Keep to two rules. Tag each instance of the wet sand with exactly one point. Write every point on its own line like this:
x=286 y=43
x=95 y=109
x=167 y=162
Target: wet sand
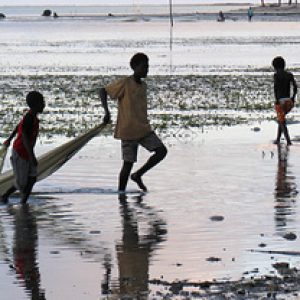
x=221 y=218
x=218 y=222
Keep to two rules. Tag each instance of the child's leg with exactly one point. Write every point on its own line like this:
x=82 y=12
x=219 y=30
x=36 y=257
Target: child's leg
x=124 y=175
x=129 y=154
x=280 y=119
x=286 y=133
x=28 y=188
x=159 y=154
x=279 y=132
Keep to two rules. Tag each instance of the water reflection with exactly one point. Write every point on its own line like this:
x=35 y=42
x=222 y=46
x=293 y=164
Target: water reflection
x=25 y=251
x=136 y=248
x=285 y=190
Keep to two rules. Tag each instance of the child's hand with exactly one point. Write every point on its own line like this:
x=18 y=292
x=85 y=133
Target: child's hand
x=6 y=143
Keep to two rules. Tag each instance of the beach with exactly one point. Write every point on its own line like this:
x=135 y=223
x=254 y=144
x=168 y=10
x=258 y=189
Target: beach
x=220 y=220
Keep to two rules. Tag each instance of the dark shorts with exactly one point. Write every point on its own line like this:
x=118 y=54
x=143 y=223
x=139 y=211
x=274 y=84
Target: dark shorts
x=23 y=169
x=150 y=142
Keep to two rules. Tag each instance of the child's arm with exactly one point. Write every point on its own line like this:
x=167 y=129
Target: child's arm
x=276 y=89
x=103 y=97
x=27 y=131
x=295 y=88
x=7 y=142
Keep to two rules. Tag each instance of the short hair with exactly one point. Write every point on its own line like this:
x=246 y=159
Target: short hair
x=137 y=59
x=278 y=62
x=34 y=99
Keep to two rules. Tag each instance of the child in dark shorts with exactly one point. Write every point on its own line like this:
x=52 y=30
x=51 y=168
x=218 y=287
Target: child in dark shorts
x=133 y=128
x=284 y=102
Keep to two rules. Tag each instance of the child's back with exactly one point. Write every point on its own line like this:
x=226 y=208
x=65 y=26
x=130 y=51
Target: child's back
x=282 y=84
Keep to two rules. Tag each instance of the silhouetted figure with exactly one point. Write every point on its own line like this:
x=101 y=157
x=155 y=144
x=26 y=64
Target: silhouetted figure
x=250 y=14
x=133 y=128
x=221 y=17
x=285 y=189
x=25 y=251
x=283 y=81
x=23 y=158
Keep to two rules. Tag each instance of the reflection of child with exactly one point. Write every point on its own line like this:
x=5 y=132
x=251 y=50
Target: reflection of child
x=23 y=158
x=283 y=100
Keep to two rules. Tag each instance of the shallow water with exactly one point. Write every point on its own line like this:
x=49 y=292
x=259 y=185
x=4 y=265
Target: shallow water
x=76 y=227
x=219 y=194
x=93 y=47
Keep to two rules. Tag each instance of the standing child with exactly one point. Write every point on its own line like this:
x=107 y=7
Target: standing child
x=23 y=159
x=283 y=80
x=133 y=128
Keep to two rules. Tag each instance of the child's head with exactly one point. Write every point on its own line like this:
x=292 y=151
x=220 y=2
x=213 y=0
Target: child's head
x=278 y=63
x=139 y=63
x=35 y=101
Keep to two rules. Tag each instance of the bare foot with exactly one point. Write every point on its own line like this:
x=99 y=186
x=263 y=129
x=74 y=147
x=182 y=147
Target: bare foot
x=138 y=180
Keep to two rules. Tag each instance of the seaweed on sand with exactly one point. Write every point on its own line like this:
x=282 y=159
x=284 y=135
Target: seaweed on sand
x=191 y=101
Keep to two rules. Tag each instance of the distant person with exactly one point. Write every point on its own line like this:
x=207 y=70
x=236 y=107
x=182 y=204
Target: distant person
x=221 y=17
x=250 y=14
x=133 y=128
x=283 y=80
x=23 y=159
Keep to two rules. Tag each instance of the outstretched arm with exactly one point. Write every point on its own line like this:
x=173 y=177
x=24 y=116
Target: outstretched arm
x=276 y=89
x=103 y=97
x=7 y=142
x=27 y=132
x=295 y=88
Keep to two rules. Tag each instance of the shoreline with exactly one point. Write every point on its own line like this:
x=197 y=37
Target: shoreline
x=193 y=12
x=272 y=9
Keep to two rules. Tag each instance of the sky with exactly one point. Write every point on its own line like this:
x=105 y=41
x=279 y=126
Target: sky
x=113 y=2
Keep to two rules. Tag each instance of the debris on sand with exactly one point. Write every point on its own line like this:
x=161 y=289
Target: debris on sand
x=290 y=236
x=213 y=259
x=285 y=285
x=217 y=218
x=256 y=129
